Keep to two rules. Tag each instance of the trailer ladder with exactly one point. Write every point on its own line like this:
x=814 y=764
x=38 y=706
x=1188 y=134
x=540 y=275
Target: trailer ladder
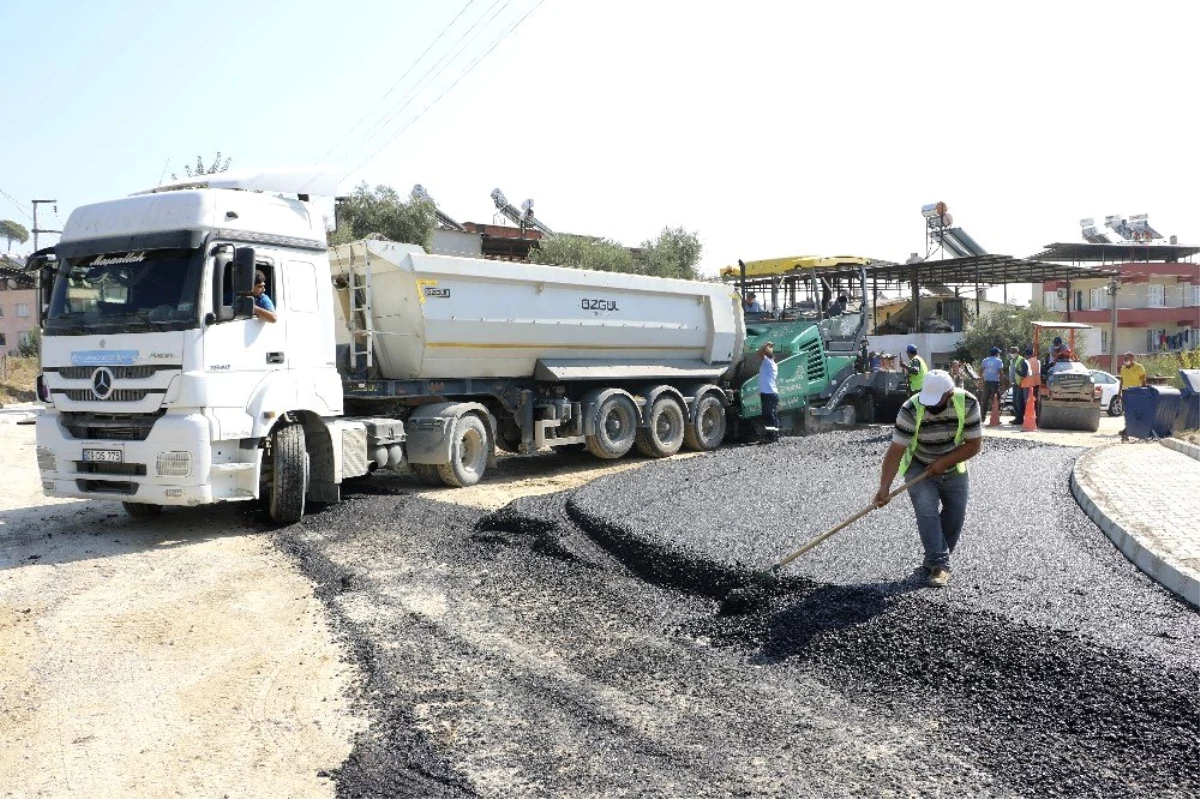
x=362 y=327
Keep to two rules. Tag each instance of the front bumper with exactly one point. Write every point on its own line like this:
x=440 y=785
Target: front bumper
x=176 y=464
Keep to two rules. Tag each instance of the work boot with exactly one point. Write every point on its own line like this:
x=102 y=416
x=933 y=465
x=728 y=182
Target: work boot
x=939 y=578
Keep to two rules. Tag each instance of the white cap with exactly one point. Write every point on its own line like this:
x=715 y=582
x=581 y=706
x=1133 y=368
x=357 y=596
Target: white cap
x=937 y=383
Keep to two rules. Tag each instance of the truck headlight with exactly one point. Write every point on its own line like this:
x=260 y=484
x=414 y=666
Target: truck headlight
x=174 y=464
x=46 y=460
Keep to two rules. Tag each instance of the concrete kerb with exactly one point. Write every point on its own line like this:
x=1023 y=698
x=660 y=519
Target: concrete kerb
x=1182 y=447
x=1145 y=559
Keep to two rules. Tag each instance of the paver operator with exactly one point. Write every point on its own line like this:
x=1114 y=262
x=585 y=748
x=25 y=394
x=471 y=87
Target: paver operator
x=916 y=369
x=936 y=431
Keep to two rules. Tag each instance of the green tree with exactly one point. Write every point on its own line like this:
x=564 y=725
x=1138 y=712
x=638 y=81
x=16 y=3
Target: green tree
x=1004 y=328
x=584 y=252
x=383 y=213
x=13 y=231
x=674 y=253
x=30 y=344
x=200 y=169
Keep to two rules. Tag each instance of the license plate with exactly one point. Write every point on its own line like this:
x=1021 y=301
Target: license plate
x=103 y=455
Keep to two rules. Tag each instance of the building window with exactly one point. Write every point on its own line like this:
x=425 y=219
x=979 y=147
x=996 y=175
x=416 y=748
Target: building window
x=1099 y=299
x=1195 y=297
x=1156 y=340
x=24 y=338
x=3 y=340
x=1103 y=340
x=1156 y=295
x=1050 y=300
x=2 y=309
x=22 y=310
x=1078 y=299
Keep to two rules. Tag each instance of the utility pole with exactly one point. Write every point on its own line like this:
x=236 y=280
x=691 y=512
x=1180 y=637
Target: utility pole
x=36 y=231
x=39 y=302
x=1114 y=286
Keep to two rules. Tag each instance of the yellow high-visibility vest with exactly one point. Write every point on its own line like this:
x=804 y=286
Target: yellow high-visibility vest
x=960 y=408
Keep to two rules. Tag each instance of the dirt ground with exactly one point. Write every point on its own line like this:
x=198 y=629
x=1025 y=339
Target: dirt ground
x=179 y=656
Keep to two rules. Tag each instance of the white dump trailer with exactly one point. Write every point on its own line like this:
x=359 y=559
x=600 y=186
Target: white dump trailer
x=546 y=356
x=169 y=381
x=433 y=316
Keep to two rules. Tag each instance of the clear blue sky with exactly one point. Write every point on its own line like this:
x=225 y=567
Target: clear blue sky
x=771 y=129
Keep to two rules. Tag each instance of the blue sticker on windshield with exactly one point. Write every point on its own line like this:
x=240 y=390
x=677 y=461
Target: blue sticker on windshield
x=104 y=357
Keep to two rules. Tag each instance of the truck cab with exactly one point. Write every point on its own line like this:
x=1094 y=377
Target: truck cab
x=162 y=386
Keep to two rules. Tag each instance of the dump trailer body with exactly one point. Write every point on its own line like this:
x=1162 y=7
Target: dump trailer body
x=436 y=316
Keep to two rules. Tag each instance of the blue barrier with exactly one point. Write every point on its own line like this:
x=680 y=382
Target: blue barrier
x=1151 y=411
x=1189 y=407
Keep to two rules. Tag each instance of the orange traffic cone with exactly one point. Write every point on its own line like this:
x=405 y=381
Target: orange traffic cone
x=995 y=420
x=1029 y=423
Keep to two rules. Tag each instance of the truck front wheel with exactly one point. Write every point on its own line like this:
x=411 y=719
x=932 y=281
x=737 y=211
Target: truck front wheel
x=468 y=453
x=288 y=475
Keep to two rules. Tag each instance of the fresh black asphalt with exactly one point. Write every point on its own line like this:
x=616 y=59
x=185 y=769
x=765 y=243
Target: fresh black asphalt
x=569 y=645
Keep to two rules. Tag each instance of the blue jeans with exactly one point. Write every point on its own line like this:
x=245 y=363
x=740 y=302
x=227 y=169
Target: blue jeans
x=770 y=412
x=939 y=529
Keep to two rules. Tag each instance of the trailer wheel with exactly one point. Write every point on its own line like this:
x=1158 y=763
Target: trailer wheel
x=427 y=474
x=289 y=474
x=468 y=453
x=616 y=427
x=707 y=430
x=663 y=435
x=142 y=510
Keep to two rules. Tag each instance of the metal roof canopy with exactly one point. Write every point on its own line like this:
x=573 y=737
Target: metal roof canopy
x=1122 y=252
x=981 y=269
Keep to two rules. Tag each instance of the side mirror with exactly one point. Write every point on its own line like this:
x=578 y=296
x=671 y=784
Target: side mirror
x=243 y=282
x=243 y=270
x=222 y=295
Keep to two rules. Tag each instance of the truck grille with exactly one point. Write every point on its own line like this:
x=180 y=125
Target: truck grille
x=119 y=372
x=110 y=427
x=118 y=394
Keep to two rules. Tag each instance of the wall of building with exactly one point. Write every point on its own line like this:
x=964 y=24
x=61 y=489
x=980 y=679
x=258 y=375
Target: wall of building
x=936 y=348
x=1158 y=307
x=453 y=242
x=12 y=323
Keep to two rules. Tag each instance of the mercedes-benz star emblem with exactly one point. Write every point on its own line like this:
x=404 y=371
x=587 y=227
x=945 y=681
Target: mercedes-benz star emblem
x=102 y=382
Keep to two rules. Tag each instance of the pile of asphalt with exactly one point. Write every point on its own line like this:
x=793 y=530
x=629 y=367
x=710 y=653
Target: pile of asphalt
x=568 y=645
x=1080 y=673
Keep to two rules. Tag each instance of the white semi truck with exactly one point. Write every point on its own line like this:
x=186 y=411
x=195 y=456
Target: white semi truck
x=164 y=388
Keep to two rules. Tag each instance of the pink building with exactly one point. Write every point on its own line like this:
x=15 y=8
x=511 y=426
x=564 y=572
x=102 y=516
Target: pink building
x=18 y=310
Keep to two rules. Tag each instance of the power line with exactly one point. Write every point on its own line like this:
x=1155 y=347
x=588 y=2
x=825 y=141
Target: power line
x=400 y=80
x=13 y=200
x=453 y=53
x=444 y=92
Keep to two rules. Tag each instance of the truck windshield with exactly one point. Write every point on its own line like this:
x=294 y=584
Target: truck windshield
x=126 y=291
